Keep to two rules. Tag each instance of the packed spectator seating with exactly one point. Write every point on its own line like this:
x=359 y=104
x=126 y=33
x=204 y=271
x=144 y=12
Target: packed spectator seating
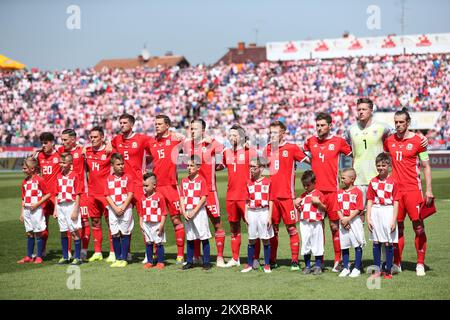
x=33 y=101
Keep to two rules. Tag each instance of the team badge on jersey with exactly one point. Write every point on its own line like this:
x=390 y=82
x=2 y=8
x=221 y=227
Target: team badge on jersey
x=285 y=154
x=204 y=149
x=197 y=186
x=409 y=146
x=241 y=157
x=167 y=142
x=353 y=198
x=55 y=160
x=331 y=147
x=388 y=187
x=75 y=155
x=134 y=145
x=123 y=183
x=103 y=157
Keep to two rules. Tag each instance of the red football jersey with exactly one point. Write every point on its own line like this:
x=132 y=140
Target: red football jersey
x=134 y=150
x=207 y=153
x=238 y=166
x=117 y=188
x=308 y=211
x=78 y=165
x=99 y=168
x=282 y=169
x=68 y=187
x=349 y=200
x=50 y=168
x=164 y=152
x=33 y=190
x=382 y=192
x=153 y=208
x=325 y=160
x=258 y=195
x=405 y=161
x=193 y=191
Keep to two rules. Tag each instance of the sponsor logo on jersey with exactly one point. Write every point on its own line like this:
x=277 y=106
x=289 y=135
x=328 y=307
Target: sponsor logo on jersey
x=331 y=147
x=134 y=145
x=409 y=146
x=285 y=154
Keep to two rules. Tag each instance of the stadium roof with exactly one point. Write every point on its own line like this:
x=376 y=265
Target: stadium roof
x=164 y=61
x=243 y=54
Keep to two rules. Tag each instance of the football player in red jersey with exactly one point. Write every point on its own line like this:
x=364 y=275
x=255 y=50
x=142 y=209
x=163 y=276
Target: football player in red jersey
x=407 y=155
x=69 y=144
x=325 y=150
x=207 y=149
x=236 y=160
x=164 y=154
x=48 y=159
x=134 y=147
x=98 y=168
x=283 y=157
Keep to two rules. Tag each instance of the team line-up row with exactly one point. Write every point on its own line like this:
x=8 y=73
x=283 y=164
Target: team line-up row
x=85 y=187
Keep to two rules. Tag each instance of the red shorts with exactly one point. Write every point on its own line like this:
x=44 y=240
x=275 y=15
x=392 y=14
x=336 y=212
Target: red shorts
x=49 y=207
x=97 y=206
x=410 y=201
x=171 y=195
x=330 y=201
x=212 y=204
x=236 y=210
x=284 y=208
x=84 y=210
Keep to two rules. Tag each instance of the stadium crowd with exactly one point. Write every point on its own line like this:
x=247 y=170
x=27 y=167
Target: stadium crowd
x=35 y=101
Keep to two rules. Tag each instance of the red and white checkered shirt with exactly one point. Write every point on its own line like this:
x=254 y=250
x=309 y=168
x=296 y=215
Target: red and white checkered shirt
x=68 y=187
x=193 y=191
x=308 y=211
x=33 y=190
x=382 y=192
x=153 y=208
x=350 y=200
x=117 y=188
x=258 y=193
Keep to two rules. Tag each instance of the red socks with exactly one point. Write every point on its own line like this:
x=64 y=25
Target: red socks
x=179 y=239
x=69 y=245
x=235 y=245
x=220 y=242
x=98 y=238
x=86 y=236
x=398 y=247
x=294 y=241
x=421 y=244
x=336 y=245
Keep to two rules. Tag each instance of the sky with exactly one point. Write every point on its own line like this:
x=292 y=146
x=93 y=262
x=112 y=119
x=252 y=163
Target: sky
x=35 y=32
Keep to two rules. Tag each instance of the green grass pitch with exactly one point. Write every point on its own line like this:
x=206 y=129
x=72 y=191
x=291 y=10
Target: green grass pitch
x=99 y=281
